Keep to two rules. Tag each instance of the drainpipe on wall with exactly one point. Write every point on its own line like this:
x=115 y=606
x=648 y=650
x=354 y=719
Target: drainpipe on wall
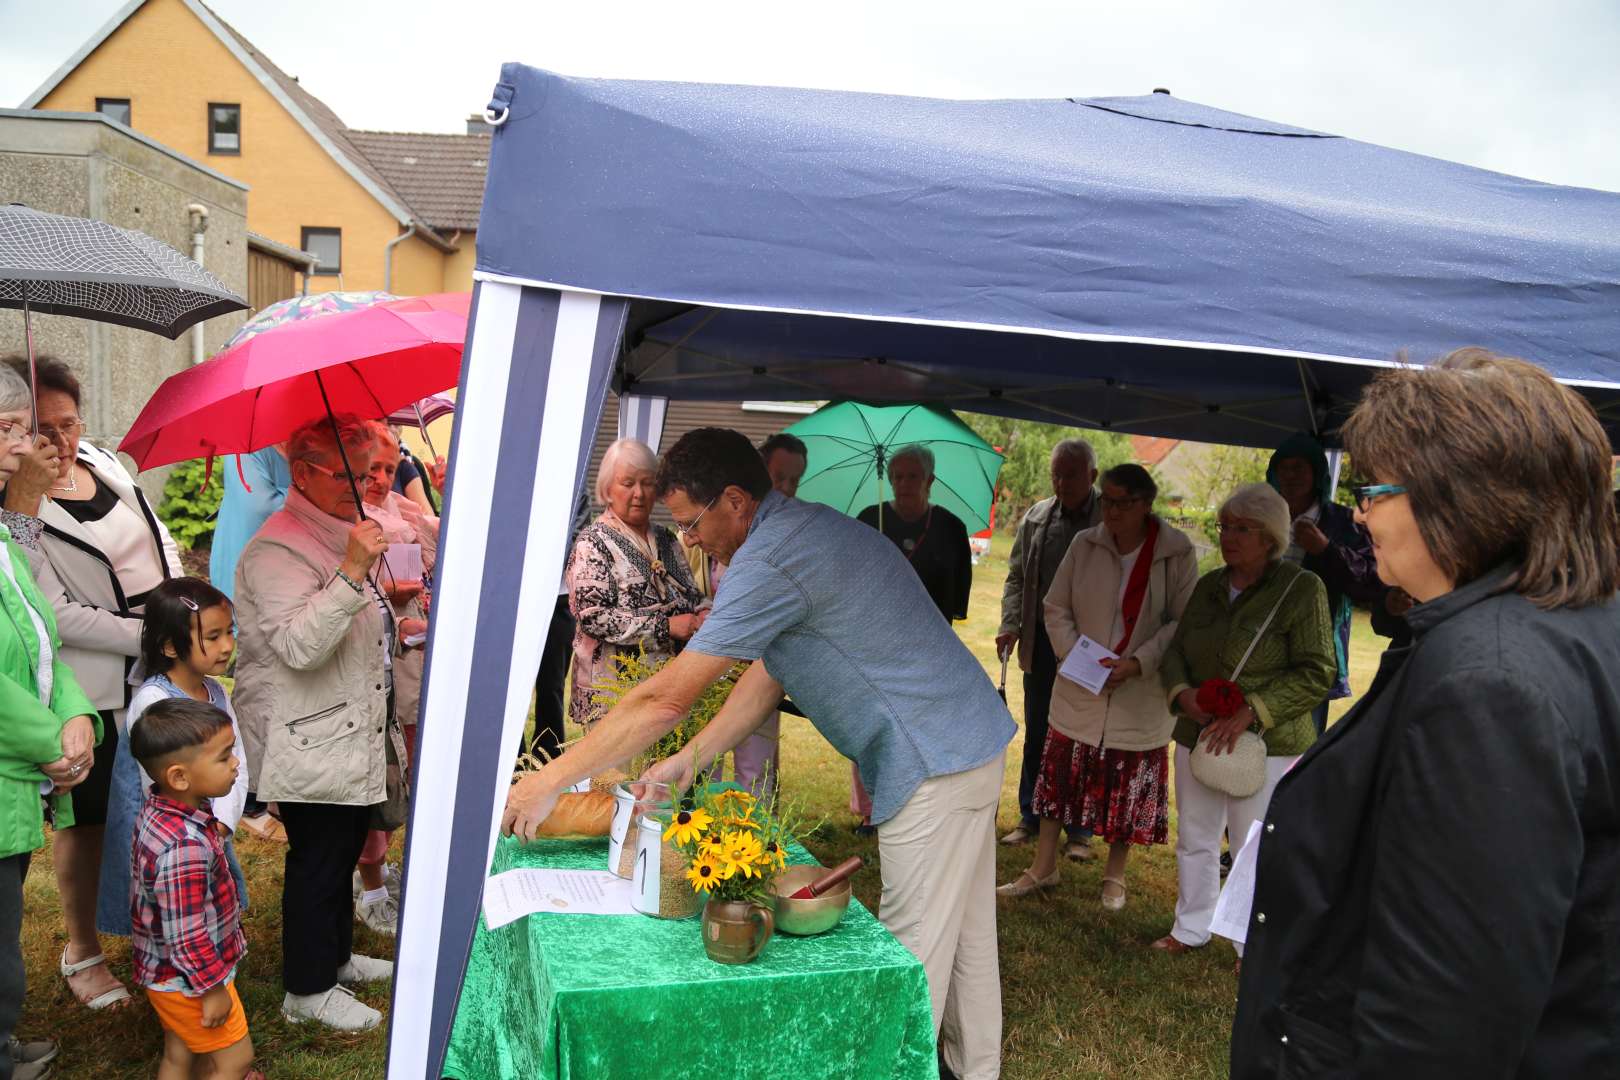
x=198 y=213
x=388 y=256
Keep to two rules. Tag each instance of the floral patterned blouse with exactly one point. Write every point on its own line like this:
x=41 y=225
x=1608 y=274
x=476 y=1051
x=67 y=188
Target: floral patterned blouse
x=620 y=602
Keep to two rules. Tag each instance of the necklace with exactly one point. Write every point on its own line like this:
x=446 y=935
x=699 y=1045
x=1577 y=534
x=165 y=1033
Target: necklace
x=646 y=549
x=72 y=483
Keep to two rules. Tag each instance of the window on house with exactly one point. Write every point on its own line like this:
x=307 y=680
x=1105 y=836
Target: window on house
x=114 y=109
x=327 y=246
x=224 y=129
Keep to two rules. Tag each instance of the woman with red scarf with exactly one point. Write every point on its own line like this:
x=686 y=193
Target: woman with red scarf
x=1105 y=768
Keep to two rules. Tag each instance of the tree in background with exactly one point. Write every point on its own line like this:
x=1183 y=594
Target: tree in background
x=1026 y=474
x=1222 y=468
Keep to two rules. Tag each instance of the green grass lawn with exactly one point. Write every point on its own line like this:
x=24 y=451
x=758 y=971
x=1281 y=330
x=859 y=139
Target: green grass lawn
x=1083 y=995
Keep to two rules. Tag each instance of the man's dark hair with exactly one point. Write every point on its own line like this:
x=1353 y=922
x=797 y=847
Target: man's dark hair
x=170 y=726
x=708 y=460
x=173 y=609
x=53 y=374
x=782 y=441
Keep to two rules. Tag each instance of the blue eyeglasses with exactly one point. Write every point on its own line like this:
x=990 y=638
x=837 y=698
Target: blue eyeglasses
x=1366 y=493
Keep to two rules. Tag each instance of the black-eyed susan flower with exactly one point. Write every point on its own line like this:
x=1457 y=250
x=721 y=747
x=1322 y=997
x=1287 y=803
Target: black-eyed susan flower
x=704 y=873
x=743 y=853
x=687 y=825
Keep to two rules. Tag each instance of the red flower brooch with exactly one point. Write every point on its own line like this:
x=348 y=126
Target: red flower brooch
x=1220 y=698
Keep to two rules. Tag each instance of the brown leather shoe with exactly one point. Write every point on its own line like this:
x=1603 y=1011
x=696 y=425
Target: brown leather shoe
x=1172 y=946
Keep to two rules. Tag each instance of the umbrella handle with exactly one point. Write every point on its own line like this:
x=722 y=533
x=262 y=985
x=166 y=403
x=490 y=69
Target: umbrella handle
x=33 y=372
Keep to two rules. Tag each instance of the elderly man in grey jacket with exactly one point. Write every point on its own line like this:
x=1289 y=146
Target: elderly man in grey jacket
x=1038 y=547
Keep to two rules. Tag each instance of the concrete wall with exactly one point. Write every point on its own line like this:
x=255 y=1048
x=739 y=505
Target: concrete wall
x=89 y=167
x=295 y=182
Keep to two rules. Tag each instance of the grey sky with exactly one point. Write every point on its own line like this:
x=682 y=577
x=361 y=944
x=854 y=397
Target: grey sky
x=1531 y=89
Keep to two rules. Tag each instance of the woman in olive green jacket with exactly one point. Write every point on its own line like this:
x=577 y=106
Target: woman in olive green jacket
x=48 y=727
x=1289 y=673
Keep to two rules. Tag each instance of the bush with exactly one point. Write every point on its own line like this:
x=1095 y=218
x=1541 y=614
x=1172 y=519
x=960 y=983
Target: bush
x=1026 y=447
x=189 y=508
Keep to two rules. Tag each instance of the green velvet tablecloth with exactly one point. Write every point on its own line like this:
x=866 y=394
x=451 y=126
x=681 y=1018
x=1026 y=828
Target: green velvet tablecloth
x=604 y=997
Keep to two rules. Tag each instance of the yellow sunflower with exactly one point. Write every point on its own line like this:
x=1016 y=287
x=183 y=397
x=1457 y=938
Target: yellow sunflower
x=688 y=825
x=730 y=822
x=743 y=852
x=704 y=872
x=742 y=800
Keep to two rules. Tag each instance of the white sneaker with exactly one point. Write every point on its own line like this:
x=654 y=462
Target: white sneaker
x=336 y=1008
x=361 y=969
x=380 y=915
x=391 y=882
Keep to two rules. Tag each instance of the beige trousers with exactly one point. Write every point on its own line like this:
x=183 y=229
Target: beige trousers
x=938 y=859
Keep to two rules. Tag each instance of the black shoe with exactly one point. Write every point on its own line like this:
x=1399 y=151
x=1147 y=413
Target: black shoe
x=945 y=1072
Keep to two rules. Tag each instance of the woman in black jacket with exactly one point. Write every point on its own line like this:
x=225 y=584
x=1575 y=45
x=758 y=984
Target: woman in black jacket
x=1438 y=889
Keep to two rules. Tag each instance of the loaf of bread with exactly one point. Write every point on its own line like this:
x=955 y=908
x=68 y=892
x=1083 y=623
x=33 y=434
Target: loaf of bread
x=579 y=814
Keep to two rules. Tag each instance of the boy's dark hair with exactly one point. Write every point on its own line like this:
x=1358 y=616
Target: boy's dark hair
x=708 y=460
x=170 y=726
x=172 y=609
x=783 y=441
x=52 y=374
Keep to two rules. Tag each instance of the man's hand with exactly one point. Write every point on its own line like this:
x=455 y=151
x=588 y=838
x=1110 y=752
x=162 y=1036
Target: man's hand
x=1220 y=736
x=528 y=803
x=216 y=1007
x=37 y=470
x=1309 y=537
x=1006 y=643
x=1119 y=671
x=674 y=773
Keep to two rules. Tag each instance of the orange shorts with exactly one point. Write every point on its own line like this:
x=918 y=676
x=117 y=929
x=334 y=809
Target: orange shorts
x=183 y=1016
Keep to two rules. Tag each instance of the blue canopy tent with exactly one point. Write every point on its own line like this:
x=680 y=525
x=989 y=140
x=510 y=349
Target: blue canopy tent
x=1142 y=264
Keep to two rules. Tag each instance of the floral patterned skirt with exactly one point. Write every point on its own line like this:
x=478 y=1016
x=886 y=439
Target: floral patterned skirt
x=1120 y=795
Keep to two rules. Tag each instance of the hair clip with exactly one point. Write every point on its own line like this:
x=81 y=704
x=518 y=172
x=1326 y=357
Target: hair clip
x=190 y=603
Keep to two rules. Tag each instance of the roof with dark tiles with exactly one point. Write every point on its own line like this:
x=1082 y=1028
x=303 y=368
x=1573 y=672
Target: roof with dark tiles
x=441 y=176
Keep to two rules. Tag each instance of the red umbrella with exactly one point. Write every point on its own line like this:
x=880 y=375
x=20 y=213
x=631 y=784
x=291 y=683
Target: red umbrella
x=368 y=362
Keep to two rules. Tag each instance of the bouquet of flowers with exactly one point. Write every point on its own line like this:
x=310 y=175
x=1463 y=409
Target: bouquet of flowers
x=735 y=844
x=1220 y=698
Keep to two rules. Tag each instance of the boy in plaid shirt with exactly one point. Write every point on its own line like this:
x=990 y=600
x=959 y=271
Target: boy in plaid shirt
x=187 y=938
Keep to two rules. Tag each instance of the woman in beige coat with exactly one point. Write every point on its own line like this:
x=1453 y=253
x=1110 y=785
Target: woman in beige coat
x=314 y=678
x=1123 y=584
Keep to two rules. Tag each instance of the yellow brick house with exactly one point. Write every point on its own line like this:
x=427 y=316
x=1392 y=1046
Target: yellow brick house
x=381 y=209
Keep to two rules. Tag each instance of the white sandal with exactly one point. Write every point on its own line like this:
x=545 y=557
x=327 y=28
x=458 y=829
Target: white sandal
x=100 y=1001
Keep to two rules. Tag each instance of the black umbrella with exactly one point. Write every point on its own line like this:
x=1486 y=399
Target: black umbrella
x=92 y=270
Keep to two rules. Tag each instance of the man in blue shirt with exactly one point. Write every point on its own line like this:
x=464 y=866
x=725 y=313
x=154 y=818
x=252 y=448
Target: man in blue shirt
x=834 y=616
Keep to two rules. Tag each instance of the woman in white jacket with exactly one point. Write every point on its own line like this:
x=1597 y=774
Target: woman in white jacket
x=99 y=551
x=1104 y=768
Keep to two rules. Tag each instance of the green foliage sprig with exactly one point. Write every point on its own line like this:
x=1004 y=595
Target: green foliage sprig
x=189 y=508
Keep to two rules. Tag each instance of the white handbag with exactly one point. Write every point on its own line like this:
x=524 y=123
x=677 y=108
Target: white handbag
x=1241 y=772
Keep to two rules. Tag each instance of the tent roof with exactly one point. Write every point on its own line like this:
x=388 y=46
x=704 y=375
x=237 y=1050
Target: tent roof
x=1128 y=262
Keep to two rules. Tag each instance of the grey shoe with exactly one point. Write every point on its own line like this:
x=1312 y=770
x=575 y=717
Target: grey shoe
x=381 y=916
x=361 y=969
x=336 y=1008
x=34 y=1070
x=32 y=1053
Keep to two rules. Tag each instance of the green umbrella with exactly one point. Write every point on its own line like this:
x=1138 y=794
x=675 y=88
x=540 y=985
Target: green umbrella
x=850 y=444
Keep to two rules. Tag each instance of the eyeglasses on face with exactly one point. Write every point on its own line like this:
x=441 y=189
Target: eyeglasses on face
x=1238 y=528
x=1366 y=493
x=63 y=432
x=1111 y=503
x=13 y=431
x=691 y=527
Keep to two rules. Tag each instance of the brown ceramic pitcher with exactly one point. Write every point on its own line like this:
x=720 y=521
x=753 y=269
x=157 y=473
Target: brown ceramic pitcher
x=735 y=931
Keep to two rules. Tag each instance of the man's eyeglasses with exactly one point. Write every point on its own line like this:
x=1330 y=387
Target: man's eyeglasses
x=1366 y=493
x=63 y=432
x=691 y=527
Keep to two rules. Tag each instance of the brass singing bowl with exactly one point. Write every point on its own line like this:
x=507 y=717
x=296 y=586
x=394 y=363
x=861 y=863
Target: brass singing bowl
x=813 y=916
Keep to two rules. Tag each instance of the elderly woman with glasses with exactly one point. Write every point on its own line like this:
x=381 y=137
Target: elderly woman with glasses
x=101 y=549
x=629 y=587
x=1276 y=612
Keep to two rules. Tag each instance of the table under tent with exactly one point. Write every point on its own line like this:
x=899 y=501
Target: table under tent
x=1138 y=264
